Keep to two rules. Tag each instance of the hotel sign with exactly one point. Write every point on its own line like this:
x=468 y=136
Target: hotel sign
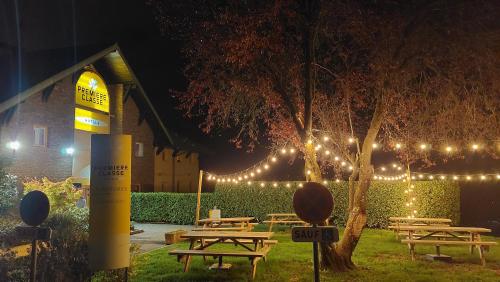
x=110 y=177
x=91 y=121
x=91 y=92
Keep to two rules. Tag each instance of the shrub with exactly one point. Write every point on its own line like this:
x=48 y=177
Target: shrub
x=8 y=191
x=62 y=196
x=433 y=199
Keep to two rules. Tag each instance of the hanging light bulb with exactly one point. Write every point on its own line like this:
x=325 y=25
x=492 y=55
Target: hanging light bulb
x=374 y=145
x=288 y=185
x=423 y=146
x=326 y=138
x=337 y=180
x=300 y=185
x=475 y=147
x=249 y=182
x=292 y=150
x=273 y=159
x=266 y=166
x=258 y=170
x=342 y=163
x=483 y=177
x=448 y=149
x=455 y=177
x=275 y=184
x=398 y=146
x=283 y=151
x=327 y=152
x=350 y=140
x=468 y=177
x=325 y=182
x=383 y=168
x=336 y=158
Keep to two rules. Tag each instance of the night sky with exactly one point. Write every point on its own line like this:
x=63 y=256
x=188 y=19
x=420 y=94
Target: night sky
x=54 y=24
x=156 y=59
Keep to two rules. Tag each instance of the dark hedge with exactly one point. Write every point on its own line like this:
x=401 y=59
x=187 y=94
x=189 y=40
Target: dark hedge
x=433 y=199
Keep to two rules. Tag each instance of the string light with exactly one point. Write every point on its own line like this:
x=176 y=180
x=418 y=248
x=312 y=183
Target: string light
x=423 y=146
x=326 y=138
x=273 y=159
x=398 y=146
x=350 y=140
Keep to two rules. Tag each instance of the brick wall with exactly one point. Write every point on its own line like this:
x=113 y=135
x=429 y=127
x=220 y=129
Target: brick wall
x=142 y=167
x=57 y=114
x=176 y=173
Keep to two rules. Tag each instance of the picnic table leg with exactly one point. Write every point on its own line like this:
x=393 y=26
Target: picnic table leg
x=412 y=251
x=471 y=246
x=271 y=224
x=481 y=255
x=438 y=250
x=254 y=267
x=188 y=257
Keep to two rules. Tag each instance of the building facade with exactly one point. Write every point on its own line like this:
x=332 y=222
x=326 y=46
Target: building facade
x=45 y=130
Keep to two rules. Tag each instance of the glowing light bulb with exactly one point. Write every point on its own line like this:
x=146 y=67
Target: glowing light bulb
x=498 y=176
x=325 y=182
x=266 y=166
x=262 y=184
x=342 y=163
x=300 y=185
x=468 y=177
x=275 y=184
x=394 y=165
x=252 y=174
x=292 y=150
x=350 y=140
x=218 y=180
x=431 y=177
x=308 y=172
x=326 y=138
x=412 y=186
x=245 y=176
x=327 y=152
x=483 y=177
x=420 y=176
x=288 y=185
x=337 y=180
x=399 y=168
x=423 y=146
x=249 y=182
x=455 y=177
x=336 y=158
x=258 y=170
x=283 y=151
x=309 y=141
x=350 y=167
x=413 y=177
x=239 y=178
x=442 y=177
x=374 y=145
x=223 y=180
x=383 y=168
x=398 y=146
x=448 y=149
x=273 y=159
x=14 y=145
x=70 y=151
x=475 y=147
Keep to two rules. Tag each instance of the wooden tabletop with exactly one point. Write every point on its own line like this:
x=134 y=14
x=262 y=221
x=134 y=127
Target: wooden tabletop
x=227 y=235
x=281 y=214
x=432 y=228
x=441 y=220
x=226 y=219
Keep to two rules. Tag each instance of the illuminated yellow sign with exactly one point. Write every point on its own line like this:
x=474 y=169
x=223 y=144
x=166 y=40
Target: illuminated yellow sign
x=91 y=121
x=91 y=91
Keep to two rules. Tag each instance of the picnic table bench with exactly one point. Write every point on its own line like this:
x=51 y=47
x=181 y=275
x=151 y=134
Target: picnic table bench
x=283 y=218
x=226 y=224
x=256 y=245
x=447 y=235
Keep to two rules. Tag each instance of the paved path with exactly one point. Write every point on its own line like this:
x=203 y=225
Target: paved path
x=153 y=236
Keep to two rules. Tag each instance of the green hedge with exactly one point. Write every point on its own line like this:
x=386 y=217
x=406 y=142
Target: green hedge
x=433 y=199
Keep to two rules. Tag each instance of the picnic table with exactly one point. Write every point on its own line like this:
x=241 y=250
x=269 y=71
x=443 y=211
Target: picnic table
x=396 y=222
x=283 y=218
x=254 y=245
x=226 y=224
x=446 y=235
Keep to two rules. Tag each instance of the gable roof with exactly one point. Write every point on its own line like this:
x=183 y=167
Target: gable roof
x=112 y=65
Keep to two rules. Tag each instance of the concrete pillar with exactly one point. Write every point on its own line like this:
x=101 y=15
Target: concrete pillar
x=116 y=108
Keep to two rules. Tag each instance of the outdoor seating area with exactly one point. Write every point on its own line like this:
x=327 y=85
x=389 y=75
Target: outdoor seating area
x=437 y=232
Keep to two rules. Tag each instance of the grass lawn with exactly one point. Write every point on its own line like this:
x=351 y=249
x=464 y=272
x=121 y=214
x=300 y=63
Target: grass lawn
x=379 y=256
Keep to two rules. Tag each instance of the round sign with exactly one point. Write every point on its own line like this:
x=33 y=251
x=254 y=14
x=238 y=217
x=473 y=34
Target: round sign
x=34 y=208
x=313 y=203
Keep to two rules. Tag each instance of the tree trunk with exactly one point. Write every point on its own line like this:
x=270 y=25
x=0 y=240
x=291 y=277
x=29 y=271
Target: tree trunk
x=312 y=170
x=338 y=257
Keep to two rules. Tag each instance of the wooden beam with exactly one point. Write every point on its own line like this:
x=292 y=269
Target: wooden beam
x=198 y=198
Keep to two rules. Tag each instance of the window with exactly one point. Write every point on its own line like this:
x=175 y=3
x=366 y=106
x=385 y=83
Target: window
x=139 y=149
x=40 y=136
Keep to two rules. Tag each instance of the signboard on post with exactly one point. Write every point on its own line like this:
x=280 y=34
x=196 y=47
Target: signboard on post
x=323 y=234
x=314 y=204
x=91 y=92
x=110 y=178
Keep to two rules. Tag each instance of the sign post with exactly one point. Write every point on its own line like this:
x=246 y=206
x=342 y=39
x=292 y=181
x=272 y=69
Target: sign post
x=34 y=209
x=110 y=177
x=314 y=204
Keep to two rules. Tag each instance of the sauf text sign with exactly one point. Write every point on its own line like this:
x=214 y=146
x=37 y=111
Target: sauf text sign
x=315 y=234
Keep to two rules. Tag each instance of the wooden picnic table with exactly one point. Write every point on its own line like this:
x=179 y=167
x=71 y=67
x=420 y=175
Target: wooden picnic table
x=226 y=224
x=255 y=246
x=446 y=235
x=283 y=218
x=396 y=222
